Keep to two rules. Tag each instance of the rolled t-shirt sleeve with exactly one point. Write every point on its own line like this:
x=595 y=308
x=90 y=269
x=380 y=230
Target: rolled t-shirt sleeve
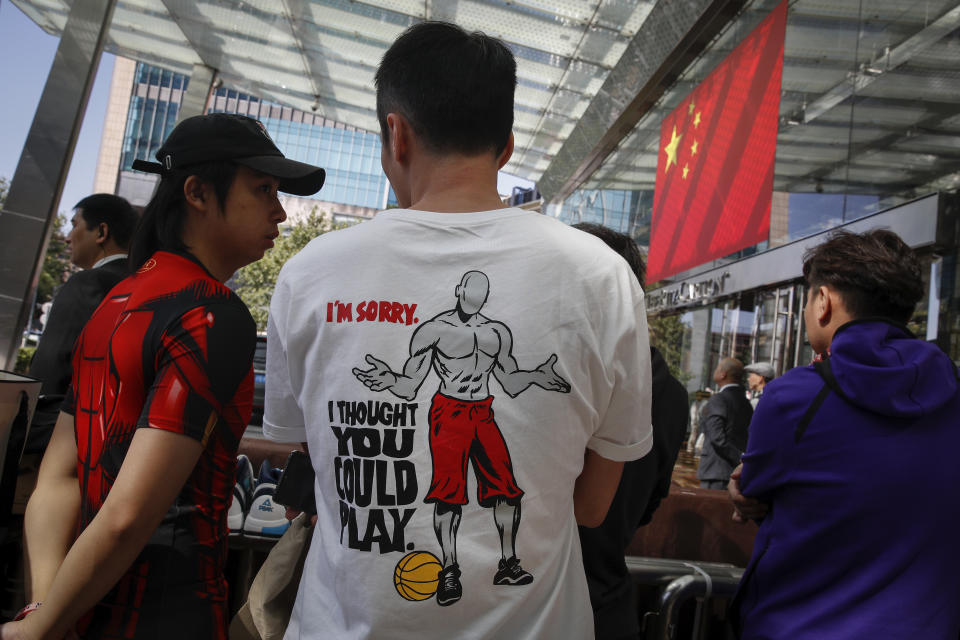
x=283 y=419
x=204 y=371
x=625 y=432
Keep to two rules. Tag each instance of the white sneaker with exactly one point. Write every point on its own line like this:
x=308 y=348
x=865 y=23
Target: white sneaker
x=265 y=519
x=242 y=496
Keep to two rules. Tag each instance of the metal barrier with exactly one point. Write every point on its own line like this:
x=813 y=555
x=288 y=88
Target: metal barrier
x=681 y=581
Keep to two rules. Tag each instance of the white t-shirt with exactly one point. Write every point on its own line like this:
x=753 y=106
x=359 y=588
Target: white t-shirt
x=456 y=309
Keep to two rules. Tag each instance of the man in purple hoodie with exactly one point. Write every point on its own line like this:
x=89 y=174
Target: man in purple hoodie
x=856 y=457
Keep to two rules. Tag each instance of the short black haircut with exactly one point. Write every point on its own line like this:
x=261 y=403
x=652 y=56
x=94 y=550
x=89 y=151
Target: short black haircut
x=875 y=273
x=161 y=225
x=114 y=211
x=454 y=88
x=622 y=244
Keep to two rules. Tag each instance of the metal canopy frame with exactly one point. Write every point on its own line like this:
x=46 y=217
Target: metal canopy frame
x=321 y=55
x=869 y=100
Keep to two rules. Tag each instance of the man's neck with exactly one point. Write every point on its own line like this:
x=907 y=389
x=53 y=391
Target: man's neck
x=209 y=261
x=455 y=184
x=205 y=250
x=110 y=257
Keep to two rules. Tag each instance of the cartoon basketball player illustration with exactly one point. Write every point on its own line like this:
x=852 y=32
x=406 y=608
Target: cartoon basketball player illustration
x=464 y=348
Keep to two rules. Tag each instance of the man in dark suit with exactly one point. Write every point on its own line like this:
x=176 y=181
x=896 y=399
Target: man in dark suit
x=102 y=227
x=724 y=424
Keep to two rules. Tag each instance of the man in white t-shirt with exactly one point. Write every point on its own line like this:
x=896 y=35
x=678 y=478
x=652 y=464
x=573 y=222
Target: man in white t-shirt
x=380 y=292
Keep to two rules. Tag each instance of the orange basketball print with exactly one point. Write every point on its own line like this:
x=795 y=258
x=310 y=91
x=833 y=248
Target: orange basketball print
x=416 y=575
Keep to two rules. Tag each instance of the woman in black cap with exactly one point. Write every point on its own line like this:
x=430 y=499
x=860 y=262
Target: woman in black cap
x=126 y=532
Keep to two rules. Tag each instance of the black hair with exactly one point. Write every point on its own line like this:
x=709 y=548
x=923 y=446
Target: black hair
x=161 y=225
x=454 y=88
x=876 y=273
x=622 y=244
x=114 y=211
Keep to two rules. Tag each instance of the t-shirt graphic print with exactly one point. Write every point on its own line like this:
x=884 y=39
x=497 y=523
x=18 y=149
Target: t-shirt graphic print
x=464 y=348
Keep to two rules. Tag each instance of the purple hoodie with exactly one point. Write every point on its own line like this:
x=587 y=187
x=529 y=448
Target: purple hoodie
x=863 y=535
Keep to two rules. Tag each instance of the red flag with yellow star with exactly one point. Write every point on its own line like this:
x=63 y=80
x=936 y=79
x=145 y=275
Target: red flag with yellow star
x=717 y=148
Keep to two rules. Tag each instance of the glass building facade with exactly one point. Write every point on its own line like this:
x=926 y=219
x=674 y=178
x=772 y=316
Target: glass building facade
x=766 y=325
x=351 y=157
x=626 y=211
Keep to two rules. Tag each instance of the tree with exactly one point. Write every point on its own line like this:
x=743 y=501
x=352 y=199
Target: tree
x=56 y=263
x=666 y=334
x=255 y=282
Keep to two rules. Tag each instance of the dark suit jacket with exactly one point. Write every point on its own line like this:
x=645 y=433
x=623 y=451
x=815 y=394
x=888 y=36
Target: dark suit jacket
x=73 y=305
x=724 y=424
x=644 y=483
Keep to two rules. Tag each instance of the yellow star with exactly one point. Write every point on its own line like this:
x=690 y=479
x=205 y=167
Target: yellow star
x=691 y=108
x=693 y=148
x=686 y=170
x=696 y=120
x=671 y=149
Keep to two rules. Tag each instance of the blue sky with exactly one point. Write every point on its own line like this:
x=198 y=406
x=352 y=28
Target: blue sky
x=26 y=53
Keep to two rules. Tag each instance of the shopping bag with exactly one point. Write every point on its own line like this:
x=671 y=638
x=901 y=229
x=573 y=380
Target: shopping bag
x=265 y=614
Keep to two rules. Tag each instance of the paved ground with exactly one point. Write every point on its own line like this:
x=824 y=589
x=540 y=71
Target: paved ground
x=685 y=471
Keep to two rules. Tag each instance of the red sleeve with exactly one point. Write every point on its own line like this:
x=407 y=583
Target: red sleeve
x=204 y=369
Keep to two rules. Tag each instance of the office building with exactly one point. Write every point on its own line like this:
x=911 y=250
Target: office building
x=142 y=110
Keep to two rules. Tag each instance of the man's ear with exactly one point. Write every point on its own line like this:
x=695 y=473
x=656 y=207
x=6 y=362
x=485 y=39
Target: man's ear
x=825 y=305
x=196 y=193
x=506 y=154
x=399 y=131
x=103 y=233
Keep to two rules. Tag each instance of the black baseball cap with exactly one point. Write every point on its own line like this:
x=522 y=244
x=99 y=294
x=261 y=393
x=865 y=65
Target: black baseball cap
x=240 y=139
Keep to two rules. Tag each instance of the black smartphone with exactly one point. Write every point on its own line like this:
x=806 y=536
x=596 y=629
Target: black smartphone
x=295 y=487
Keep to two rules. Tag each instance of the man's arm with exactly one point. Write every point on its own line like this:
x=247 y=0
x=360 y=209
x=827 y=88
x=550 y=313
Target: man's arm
x=744 y=508
x=403 y=385
x=515 y=380
x=50 y=522
x=770 y=457
x=625 y=430
x=108 y=546
x=594 y=489
x=714 y=425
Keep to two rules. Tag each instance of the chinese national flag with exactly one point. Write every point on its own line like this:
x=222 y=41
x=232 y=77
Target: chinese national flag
x=715 y=166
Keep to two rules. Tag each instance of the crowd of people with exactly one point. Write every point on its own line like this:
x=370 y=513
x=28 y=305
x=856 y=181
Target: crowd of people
x=843 y=463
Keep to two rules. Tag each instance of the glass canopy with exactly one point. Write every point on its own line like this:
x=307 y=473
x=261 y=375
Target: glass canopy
x=321 y=55
x=870 y=103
